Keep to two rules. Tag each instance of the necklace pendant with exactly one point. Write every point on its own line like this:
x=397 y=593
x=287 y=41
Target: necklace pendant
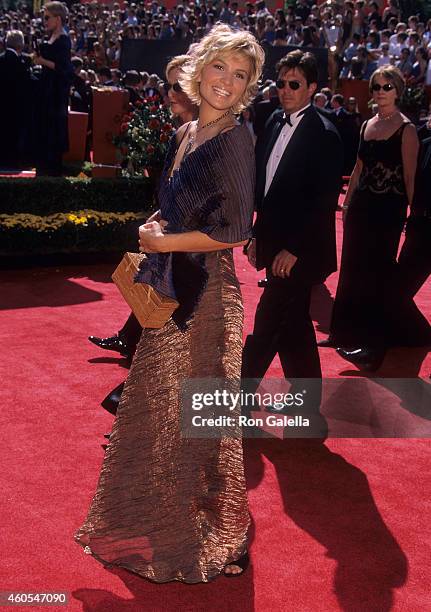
x=188 y=147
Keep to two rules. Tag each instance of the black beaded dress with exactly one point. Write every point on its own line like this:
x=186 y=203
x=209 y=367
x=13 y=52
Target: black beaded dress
x=369 y=309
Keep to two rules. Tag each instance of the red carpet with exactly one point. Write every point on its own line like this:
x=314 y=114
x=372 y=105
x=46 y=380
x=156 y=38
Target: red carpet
x=344 y=526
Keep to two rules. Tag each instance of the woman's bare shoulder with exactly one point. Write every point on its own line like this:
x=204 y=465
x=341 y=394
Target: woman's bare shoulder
x=182 y=130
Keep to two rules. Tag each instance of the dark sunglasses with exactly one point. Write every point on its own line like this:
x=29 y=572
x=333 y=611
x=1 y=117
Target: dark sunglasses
x=176 y=87
x=385 y=87
x=280 y=84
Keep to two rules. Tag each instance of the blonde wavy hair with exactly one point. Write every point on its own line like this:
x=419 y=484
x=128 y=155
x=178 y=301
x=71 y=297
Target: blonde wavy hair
x=57 y=9
x=177 y=62
x=221 y=41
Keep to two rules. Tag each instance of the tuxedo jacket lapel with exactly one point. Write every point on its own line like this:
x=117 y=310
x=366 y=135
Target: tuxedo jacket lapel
x=290 y=152
x=261 y=177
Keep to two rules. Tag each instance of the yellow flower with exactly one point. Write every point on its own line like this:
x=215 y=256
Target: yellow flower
x=72 y=217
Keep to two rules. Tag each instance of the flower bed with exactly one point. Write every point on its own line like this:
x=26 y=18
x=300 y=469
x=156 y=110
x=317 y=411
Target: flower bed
x=82 y=231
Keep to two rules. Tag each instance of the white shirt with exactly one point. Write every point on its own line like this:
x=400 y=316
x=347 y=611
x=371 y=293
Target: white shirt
x=383 y=60
x=332 y=33
x=280 y=146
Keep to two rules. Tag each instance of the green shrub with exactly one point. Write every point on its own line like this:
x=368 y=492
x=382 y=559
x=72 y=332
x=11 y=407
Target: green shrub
x=45 y=196
x=82 y=231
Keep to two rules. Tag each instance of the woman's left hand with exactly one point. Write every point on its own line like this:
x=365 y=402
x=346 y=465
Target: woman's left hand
x=151 y=237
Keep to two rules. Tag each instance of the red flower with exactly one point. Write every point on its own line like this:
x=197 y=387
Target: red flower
x=150 y=149
x=167 y=127
x=153 y=109
x=154 y=124
x=164 y=138
x=124 y=127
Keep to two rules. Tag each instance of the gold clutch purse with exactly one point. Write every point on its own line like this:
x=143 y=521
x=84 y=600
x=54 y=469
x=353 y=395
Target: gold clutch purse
x=149 y=307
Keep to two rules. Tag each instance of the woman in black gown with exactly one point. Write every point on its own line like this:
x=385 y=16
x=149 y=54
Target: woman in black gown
x=369 y=312
x=53 y=92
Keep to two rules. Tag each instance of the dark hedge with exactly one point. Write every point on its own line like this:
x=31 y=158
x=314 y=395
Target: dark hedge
x=44 y=196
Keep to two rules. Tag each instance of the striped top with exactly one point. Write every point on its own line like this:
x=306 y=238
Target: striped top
x=213 y=192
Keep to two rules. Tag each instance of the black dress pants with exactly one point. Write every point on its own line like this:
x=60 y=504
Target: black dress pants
x=131 y=331
x=283 y=325
x=49 y=163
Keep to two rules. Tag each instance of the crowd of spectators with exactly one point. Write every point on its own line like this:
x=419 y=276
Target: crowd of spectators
x=360 y=35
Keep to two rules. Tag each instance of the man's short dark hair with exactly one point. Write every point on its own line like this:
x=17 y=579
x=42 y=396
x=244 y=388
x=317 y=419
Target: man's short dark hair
x=105 y=71
x=132 y=78
x=339 y=99
x=304 y=62
x=77 y=62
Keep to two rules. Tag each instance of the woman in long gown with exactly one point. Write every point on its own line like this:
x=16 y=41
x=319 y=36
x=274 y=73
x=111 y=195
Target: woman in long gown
x=53 y=89
x=168 y=507
x=370 y=313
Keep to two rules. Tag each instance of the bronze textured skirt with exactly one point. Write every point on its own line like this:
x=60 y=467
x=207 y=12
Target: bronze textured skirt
x=168 y=507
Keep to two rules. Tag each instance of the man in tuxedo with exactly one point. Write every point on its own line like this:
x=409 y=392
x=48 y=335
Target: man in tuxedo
x=15 y=79
x=264 y=109
x=299 y=162
x=348 y=130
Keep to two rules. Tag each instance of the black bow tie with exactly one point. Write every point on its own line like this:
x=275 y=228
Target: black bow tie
x=283 y=119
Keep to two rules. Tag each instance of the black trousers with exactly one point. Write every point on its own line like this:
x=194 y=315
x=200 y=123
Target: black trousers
x=49 y=163
x=131 y=331
x=283 y=325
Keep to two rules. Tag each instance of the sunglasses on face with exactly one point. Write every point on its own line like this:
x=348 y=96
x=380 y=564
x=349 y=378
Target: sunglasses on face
x=280 y=84
x=175 y=86
x=385 y=87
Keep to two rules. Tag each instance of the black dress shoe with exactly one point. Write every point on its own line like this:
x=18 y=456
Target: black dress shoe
x=111 y=401
x=114 y=343
x=365 y=358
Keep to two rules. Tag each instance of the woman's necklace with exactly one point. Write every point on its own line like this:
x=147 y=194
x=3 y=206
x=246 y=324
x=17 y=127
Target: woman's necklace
x=192 y=139
x=380 y=118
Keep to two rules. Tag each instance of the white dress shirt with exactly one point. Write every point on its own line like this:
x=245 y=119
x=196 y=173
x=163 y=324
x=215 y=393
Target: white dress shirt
x=280 y=146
